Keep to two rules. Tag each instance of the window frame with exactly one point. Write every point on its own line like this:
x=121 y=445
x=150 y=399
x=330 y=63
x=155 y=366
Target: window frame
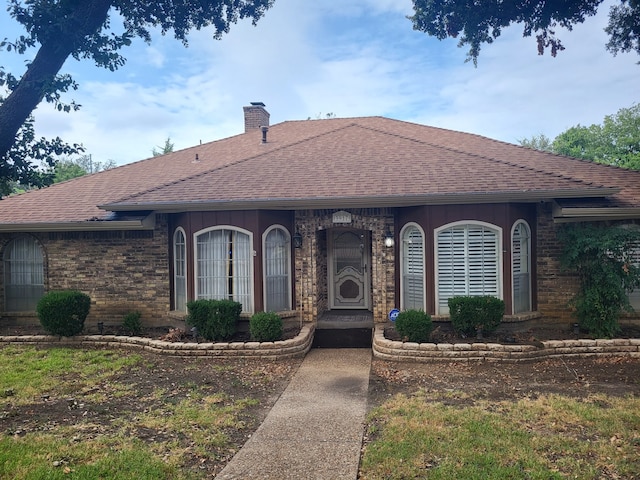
x=265 y=260
x=185 y=266
x=497 y=230
x=39 y=262
x=251 y=255
x=516 y=224
x=403 y=231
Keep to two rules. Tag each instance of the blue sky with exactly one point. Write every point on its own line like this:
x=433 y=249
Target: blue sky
x=305 y=59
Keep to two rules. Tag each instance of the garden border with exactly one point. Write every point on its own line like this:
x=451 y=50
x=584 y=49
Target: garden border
x=294 y=347
x=386 y=349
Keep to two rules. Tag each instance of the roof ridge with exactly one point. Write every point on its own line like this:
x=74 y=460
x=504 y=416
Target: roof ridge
x=230 y=164
x=495 y=160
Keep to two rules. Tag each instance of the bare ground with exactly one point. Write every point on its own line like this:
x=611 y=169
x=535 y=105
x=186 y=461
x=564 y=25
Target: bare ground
x=265 y=381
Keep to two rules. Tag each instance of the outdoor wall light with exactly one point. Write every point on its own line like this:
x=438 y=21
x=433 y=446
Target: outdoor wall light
x=388 y=239
x=297 y=240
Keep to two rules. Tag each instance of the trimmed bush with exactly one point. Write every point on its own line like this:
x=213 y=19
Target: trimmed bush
x=471 y=314
x=132 y=323
x=265 y=327
x=63 y=312
x=414 y=325
x=215 y=320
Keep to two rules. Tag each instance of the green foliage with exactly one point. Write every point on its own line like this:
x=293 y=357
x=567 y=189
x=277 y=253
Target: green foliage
x=470 y=314
x=83 y=30
x=476 y=23
x=215 y=319
x=265 y=327
x=615 y=142
x=540 y=142
x=167 y=148
x=132 y=323
x=602 y=258
x=63 y=312
x=414 y=325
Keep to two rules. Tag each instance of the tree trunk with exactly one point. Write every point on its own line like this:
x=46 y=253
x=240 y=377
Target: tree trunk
x=87 y=19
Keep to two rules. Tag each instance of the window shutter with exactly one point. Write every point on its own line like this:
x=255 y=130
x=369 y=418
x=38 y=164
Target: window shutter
x=412 y=269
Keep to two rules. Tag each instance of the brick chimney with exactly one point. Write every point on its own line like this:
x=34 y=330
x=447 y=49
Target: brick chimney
x=255 y=116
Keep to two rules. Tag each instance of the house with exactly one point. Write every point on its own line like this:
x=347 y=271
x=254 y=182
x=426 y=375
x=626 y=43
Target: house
x=308 y=218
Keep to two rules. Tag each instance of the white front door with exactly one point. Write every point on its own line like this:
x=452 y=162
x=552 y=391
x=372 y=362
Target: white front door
x=349 y=254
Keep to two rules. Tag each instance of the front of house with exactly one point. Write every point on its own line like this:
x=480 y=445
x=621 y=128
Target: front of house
x=306 y=218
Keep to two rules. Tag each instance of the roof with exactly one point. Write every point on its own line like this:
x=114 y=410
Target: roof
x=331 y=163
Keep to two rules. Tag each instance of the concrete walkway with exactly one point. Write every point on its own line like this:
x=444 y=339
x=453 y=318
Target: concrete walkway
x=314 y=431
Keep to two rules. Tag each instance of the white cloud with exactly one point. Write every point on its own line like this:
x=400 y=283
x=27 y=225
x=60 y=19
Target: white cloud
x=364 y=59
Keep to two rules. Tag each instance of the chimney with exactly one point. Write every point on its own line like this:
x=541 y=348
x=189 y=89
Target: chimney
x=255 y=116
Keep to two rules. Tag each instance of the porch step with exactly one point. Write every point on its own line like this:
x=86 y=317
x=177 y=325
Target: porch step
x=343 y=338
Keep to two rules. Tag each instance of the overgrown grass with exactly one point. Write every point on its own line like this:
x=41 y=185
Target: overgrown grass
x=545 y=438
x=152 y=442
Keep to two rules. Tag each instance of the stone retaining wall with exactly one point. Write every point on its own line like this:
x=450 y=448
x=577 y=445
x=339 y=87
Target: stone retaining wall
x=427 y=352
x=295 y=347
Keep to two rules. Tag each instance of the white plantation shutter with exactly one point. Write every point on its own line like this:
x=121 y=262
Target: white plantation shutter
x=468 y=262
x=413 y=277
x=520 y=268
x=277 y=271
x=23 y=275
x=180 y=270
x=224 y=260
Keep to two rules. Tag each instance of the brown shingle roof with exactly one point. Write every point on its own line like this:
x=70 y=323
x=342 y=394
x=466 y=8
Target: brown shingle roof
x=330 y=163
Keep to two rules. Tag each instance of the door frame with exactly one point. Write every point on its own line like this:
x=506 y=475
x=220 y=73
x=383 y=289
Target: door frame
x=365 y=236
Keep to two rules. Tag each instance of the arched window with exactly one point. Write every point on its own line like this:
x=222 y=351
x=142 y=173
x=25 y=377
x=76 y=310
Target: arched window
x=180 y=270
x=277 y=270
x=521 y=266
x=468 y=257
x=412 y=275
x=23 y=275
x=224 y=266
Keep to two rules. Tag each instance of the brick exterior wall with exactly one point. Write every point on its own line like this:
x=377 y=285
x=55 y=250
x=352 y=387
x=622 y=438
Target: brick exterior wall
x=120 y=270
x=311 y=260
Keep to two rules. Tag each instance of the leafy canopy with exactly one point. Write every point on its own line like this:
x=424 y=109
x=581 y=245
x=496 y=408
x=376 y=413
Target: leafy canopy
x=82 y=29
x=477 y=23
x=615 y=142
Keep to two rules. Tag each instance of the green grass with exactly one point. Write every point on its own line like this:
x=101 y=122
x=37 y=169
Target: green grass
x=27 y=373
x=546 y=438
x=168 y=428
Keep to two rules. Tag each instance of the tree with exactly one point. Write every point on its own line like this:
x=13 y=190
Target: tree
x=478 y=23
x=69 y=168
x=615 y=142
x=167 y=148
x=82 y=29
x=541 y=142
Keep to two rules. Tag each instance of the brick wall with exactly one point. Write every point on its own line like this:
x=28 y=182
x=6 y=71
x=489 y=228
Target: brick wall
x=120 y=270
x=311 y=260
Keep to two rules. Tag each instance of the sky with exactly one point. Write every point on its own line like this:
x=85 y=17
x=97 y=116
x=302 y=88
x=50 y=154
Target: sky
x=309 y=59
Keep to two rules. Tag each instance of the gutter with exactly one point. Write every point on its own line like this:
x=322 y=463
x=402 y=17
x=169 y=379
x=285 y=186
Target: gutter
x=573 y=214
x=147 y=223
x=362 y=202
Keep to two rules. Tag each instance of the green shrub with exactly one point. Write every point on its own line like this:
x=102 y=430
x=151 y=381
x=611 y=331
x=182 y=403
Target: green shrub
x=132 y=323
x=471 y=314
x=265 y=327
x=214 y=319
x=414 y=325
x=63 y=312
x=602 y=257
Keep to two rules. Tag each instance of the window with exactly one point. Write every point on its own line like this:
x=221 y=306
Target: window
x=468 y=262
x=180 y=270
x=23 y=275
x=634 y=296
x=521 y=266
x=224 y=263
x=277 y=267
x=412 y=264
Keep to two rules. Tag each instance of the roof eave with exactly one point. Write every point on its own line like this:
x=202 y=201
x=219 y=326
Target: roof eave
x=147 y=223
x=587 y=214
x=363 y=202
